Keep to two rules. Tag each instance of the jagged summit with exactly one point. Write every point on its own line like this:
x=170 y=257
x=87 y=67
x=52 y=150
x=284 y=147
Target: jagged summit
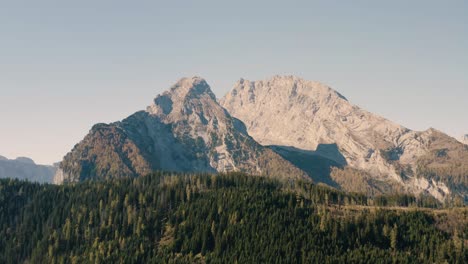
x=190 y=86
x=291 y=84
x=184 y=129
x=182 y=97
x=314 y=112
x=284 y=126
x=287 y=111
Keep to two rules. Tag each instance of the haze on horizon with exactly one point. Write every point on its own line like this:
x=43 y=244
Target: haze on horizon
x=66 y=66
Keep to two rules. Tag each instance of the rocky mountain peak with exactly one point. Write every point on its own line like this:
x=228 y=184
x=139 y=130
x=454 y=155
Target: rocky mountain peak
x=304 y=129
x=433 y=130
x=184 y=129
x=184 y=97
x=315 y=114
x=299 y=118
x=288 y=87
x=191 y=87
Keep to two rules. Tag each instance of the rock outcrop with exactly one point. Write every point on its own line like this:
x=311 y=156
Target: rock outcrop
x=184 y=129
x=288 y=112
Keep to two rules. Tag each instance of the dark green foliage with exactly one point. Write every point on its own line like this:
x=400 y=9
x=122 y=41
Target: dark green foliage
x=231 y=218
x=392 y=154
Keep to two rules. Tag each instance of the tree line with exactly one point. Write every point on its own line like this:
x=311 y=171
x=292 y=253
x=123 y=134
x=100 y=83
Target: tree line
x=234 y=218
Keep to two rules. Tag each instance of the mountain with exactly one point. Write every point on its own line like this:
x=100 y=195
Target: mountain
x=26 y=169
x=25 y=160
x=338 y=143
x=183 y=130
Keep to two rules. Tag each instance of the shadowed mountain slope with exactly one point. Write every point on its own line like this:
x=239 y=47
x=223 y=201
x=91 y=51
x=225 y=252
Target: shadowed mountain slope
x=185 y=129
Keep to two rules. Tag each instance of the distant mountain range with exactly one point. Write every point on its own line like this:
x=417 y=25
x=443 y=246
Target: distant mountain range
x=26 y=169
x=283 y=127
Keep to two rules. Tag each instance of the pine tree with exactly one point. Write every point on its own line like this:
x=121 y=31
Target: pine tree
x=394 y=237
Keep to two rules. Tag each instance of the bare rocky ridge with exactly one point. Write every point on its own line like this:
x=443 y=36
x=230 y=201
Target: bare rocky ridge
x=288 y=112
x=26 y=169
x=310 y=130
x=185 y=129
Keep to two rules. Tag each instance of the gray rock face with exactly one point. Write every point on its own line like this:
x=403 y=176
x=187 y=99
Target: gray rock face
x=286 y=111
x=184 y=129
x=25 y=169
x=311 y=131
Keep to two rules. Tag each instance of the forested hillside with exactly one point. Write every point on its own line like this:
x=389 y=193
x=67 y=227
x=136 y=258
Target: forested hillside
x=234 y=218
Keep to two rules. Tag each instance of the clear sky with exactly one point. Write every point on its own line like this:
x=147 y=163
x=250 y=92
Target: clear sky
x=66 y=65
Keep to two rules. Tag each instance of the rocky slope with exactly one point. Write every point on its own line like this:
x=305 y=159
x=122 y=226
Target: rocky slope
x=25 y=169
x=310 y=118
x=184 y=129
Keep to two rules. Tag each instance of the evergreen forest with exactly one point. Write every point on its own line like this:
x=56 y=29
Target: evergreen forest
x=227 y=218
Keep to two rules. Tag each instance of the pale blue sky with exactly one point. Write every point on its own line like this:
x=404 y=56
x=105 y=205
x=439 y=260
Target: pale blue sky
x=66 y=65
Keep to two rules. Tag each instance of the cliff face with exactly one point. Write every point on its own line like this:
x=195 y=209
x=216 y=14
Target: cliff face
x=287 y=111
x=184 y=129
x=310 y=131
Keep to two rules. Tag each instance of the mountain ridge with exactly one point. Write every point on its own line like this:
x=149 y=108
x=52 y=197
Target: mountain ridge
x=317 y=115
x=184 y=129
x=24 y=168
x=284 y=127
